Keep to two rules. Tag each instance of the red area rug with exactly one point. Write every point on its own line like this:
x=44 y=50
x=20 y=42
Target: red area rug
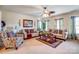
x=53 y=45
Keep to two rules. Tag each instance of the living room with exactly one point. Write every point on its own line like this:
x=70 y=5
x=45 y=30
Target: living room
x=39 y=29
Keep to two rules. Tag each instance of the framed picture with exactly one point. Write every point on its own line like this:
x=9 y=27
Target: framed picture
x=27 y=23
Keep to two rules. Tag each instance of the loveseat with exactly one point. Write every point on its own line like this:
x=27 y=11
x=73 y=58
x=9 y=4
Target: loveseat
x=61 y=34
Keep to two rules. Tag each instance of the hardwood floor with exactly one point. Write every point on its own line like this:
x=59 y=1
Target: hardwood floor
x=33 y=46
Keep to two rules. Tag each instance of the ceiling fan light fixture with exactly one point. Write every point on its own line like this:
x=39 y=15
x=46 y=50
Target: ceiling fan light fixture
x=45 y=15
x=46 y=11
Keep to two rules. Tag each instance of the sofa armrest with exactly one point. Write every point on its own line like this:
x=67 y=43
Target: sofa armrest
x=35 y=34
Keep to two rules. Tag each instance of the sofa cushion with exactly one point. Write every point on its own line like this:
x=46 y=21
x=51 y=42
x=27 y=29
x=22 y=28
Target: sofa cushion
x=55 y=31
x=60 y=31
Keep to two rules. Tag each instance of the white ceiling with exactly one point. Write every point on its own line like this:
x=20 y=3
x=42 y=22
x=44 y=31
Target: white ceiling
x=36 y=10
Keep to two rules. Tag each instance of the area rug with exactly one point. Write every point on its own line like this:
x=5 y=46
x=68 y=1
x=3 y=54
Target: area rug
x=53 y=45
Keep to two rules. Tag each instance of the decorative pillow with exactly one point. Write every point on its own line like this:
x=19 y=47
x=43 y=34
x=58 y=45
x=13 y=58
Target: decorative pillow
x=10 y=34
x=60 y=31
x=55 y=31
x=32 y=30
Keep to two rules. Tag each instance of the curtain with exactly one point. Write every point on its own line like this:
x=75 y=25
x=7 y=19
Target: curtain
x=61 y=23
x=42 y=25
x=73 y=30
x=38 y=25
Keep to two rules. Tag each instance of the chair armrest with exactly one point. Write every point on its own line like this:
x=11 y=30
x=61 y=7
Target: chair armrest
x=19 y=35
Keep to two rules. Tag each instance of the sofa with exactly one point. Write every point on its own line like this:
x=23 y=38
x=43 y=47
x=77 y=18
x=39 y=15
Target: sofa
x=35 y=34
x=61 y=34
x=30 y=33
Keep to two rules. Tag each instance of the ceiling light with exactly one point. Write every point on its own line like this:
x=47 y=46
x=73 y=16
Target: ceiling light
x=45 y=13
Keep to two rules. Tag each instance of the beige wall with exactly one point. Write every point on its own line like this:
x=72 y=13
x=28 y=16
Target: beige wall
x=51 y=23
x=67 y=18
x=0 y=15
x=0 y=20
x=12 y=18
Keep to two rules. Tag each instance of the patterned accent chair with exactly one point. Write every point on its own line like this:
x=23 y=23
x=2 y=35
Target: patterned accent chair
x=1 y=41
x=12 y=41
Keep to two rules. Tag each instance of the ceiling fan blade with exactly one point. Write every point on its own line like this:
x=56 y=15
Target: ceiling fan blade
x=45 y=7
x=52 y=12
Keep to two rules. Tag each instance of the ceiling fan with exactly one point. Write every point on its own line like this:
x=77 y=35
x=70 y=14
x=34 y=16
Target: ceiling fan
x=47 y=13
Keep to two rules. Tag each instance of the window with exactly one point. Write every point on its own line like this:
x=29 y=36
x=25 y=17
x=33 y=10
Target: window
x=39 y=25
x=42 y=25
x=77 y=25
x=59 y=24
x=46 y=26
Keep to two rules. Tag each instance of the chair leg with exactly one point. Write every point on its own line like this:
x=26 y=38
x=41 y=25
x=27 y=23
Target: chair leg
x=6 y=48
x=16 y=48
x=22 y=42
